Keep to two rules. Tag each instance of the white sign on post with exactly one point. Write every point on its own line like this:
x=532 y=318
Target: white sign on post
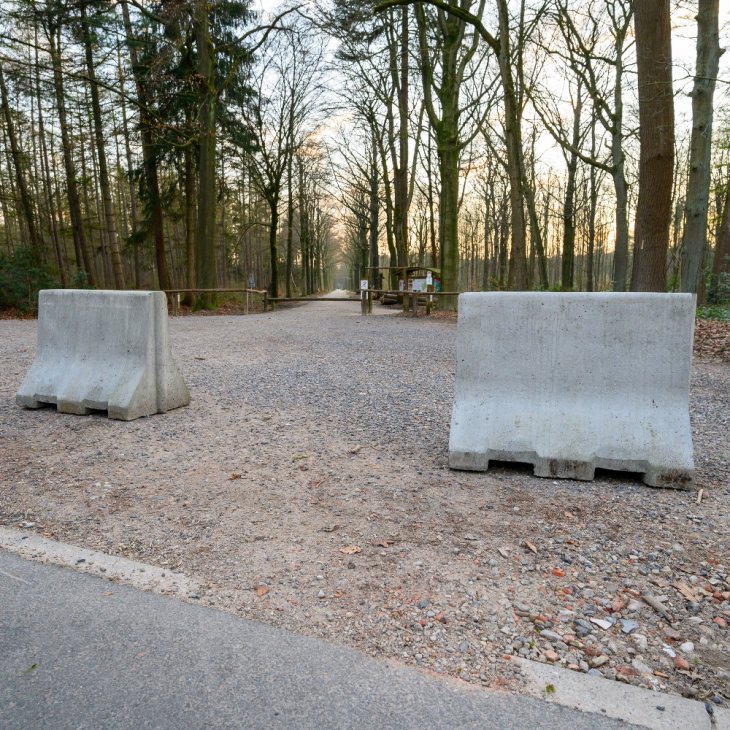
x=429 y=278
x=363 y=284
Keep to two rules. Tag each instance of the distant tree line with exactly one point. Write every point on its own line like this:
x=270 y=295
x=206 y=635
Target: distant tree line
x=195 y=144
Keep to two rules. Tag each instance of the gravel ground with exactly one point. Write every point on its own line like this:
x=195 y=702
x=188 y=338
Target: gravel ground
x=307 y=486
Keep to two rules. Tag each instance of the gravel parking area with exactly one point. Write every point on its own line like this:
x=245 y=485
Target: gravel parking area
x=307 y=486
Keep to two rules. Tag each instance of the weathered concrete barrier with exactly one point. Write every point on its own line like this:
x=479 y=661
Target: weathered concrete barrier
x=571 y=382
x=103 y=350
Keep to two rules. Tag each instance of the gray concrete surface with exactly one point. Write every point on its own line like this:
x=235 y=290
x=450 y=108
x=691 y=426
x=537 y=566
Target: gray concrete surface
x=77 y=651
x=103 y=350
x=655 y=710
x=573 y=381
x=148 y=577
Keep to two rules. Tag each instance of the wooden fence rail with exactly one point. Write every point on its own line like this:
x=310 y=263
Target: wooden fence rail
x=174 y=298
x=410 y=298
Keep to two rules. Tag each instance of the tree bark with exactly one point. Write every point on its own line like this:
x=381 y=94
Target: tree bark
x=618 y=174
x=401 y=164
x=568 y=258
x=111 y=228
x=721 y=262
x=374 y=209
x=517 y=276
x=273 y=201
x=694 y=238
x=36 y=241
x=656 y=135
x=189 y=184
x=46 y=171
x=149 y=158
x=205 y=231
x=132 y=192
x=290 y=202
x=83 y=260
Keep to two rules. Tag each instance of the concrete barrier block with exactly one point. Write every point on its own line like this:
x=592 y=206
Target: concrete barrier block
x=103 y=350
x=571 y=382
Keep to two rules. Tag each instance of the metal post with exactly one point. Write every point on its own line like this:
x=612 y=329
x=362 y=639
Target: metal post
x=364 y=289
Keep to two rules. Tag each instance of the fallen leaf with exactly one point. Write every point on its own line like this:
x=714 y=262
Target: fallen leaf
x=712 y=339
x=356 y=450
x=686 y=591
x=261 y=591
x=350 y=550
x=140 y=655
x=558 y=573
x=503 y=552
x=233 y=476
x=569 y=515
x=384 y=543
x=199 y=358
x=530 y=546
x=299 y=457
x=108 y=593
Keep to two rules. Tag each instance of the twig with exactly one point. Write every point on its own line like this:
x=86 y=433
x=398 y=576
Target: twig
x=654 y=603
x=700 y=494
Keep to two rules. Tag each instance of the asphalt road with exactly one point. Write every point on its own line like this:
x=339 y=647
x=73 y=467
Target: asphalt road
x=78 y=651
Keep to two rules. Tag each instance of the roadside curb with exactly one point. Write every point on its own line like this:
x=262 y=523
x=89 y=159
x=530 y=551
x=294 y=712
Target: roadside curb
x=569 y=689
x=121 y=570
x=618 y=700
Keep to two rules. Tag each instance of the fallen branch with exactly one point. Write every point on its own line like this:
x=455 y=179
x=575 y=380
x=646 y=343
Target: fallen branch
x=657 y=606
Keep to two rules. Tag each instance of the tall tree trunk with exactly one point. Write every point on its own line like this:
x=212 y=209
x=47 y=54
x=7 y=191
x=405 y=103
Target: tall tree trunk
x=694 y=238
x=46 y=171
x=205 y=230
x=448 y=154
x=568 y=258
x=149 y=158
x=290 y=202
x=110 y=224
x=189 y=185
x=374 y=208
x=656 y=134
x=721 y=262
x=618 y=175
x=517 y=277
x=593 y=206
x=273 y=201
x=390 y=241
x=303 y=227
x=431 y=212
x=83 y=260
x=400 y=173
x=36 y=241
x=130 y=180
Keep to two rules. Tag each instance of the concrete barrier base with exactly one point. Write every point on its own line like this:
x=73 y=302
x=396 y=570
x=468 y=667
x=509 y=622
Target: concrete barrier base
x=574 y=382
x=103 y=351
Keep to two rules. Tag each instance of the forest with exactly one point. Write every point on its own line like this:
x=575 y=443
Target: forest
x=568 y=145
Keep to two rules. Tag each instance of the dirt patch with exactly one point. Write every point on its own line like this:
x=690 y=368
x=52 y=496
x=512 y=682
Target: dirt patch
x=307 y=486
